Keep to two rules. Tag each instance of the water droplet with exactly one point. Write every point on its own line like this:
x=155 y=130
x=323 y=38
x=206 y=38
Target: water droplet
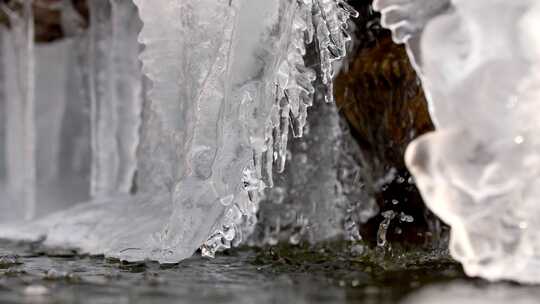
x=406 y=218
x=383 y=227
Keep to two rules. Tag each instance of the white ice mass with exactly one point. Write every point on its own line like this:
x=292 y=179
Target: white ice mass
x=164 y=119
x=479 y=62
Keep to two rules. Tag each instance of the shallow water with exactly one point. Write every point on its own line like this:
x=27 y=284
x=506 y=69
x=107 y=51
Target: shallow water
x=28 y=274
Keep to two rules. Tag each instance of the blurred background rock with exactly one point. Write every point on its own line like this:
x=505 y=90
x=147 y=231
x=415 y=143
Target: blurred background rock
x=49 y=16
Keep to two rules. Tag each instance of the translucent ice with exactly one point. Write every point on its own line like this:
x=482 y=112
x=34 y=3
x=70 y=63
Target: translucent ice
x=319 y=196
x=224 y=82
x=20 y=138
x=115 y=89
x=479 y=63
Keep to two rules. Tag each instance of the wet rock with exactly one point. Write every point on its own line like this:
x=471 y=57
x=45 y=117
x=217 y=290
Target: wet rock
x=382 y=98
x=47 y=17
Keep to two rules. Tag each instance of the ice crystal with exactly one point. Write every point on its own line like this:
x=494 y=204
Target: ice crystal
x=177 y=147
x=478 y=62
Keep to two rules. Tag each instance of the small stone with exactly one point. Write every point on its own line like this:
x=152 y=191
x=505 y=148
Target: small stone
x=36 y=290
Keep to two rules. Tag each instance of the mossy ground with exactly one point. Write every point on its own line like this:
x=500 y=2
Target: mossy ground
x=397 y=270
x=332 y=272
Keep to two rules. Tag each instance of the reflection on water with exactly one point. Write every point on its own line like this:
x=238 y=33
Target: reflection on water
x=27 y=275
x=467 y=292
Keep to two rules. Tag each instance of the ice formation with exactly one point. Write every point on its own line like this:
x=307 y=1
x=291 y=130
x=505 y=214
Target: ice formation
x=171 y=152
x=115 y=89
x=319 y=196
x=479 y=63
x=20 y=158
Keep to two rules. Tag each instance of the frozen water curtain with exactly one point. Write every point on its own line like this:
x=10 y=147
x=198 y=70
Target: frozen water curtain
x=152 y=133
x=153 y=129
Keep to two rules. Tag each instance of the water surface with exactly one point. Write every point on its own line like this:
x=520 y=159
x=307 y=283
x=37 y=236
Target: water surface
x=30 y=274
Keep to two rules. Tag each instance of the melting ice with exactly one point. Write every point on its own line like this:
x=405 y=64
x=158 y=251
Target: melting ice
x=166 y=119
x=479 y=65
x=166 y=140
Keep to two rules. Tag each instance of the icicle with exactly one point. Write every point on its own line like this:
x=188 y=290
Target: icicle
x=115 y=91
x=46 y=82
x=228 y=80
x=20 y=102
x=50 y=107
x=213 y=153
x=104 y=120
x=75 y=147
x=285 y=103
x=3 y=114
x=187 y=116
x=330 y=20
x=164 y=127
x=128 y=88
x=327 y=20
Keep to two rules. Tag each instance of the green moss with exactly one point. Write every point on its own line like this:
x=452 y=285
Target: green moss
x=357 y=265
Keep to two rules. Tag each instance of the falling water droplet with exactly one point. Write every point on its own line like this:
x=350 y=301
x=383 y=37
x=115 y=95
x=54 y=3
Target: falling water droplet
x=383 y=227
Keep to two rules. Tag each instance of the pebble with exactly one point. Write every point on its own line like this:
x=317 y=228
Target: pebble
x=36 y=290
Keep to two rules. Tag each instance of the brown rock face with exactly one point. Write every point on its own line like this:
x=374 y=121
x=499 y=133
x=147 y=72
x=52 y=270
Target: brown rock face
x=47 y=16
x=381 y=97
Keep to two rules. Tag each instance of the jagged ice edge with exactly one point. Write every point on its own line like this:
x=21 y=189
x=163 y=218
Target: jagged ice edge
x=324 y=22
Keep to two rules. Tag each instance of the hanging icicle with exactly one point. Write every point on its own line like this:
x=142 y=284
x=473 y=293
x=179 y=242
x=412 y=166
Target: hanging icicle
x=18 y=63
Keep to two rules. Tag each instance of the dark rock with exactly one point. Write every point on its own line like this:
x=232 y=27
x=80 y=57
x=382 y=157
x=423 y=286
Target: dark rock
x=380 y=94
x=47 y=17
